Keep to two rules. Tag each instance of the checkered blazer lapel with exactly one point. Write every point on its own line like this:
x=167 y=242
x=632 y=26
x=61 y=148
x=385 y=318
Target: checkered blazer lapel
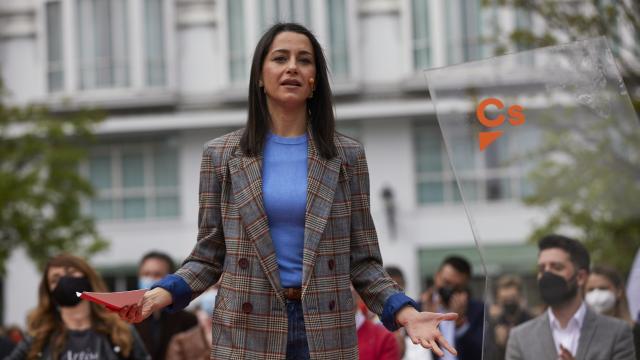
x=322 y=179
x=246 y=179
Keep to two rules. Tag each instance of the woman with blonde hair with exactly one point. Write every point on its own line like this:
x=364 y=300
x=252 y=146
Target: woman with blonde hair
x=65 y=327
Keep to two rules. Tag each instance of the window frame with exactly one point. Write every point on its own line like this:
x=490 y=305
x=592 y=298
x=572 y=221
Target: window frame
x=480 y=174
x=150 y=191
x=138 y=92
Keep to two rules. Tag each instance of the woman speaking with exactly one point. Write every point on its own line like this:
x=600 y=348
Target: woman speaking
x=284 y=224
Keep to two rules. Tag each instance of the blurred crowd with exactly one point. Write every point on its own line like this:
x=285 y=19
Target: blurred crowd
x=577 y=299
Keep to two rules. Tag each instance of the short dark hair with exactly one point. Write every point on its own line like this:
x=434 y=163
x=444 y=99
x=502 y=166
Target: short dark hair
x=160 y=256
x=394 y=271
x=578 y=254
x=459 y=263
x=320 y=106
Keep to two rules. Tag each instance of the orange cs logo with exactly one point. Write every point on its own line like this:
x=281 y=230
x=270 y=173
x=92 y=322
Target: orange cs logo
x=516 y=118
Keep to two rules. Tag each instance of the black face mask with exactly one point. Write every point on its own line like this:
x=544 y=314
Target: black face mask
x=64 y=294
x=511 y=308
x=555 y=290
x=445 y=294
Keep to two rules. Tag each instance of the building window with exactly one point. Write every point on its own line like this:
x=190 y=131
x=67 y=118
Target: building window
x=135 y=181
x=238 y=63
x=155 y=54
x=273 y=11
x=55 y=65
x=242 y=37
x=104 y=46
x=338 y=39
x=468 y=24
x=485 y=176
x=421 y=42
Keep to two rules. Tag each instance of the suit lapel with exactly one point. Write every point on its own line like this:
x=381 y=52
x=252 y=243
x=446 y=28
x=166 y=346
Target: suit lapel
x=246 y=179
x=586 y=333
x=322 y=178
x=547 y=344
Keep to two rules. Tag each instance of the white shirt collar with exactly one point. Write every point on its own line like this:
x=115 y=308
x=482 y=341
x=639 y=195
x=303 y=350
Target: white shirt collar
x=576 y=320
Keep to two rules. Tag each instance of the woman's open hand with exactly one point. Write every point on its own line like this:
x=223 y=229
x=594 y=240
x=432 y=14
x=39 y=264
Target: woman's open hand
x=153 y=300
x=422 y=328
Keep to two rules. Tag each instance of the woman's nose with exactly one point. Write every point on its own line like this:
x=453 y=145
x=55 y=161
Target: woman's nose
x=291 y=65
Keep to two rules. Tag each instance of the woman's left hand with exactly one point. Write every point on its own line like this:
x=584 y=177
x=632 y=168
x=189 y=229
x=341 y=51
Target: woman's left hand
x=422 y=328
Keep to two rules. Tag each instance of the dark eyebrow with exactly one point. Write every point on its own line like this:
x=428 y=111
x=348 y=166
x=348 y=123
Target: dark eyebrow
x=286 y=51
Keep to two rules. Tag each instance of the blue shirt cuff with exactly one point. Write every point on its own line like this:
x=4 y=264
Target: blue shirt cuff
x=393 y=304
x=179 y=289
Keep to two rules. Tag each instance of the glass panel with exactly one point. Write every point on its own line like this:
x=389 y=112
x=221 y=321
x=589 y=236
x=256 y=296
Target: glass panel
x=120 y=30
x=498 y=189
x=338 y=34
x=132 y=170
x=237 y=56
x=165 y=165
x=581 y=171
x=430 y=192
x=55 y=65
x=154 y=42
x=134 y=208
x=167 y=206
x=421 y=35
x=464 y=35
x=102 y=43
x=100 y=171
x=429 y=147
x=102 y=209
x=469 y=188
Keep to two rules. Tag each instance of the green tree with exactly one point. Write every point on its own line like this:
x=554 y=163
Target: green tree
x=41 y=189
x=596 y=188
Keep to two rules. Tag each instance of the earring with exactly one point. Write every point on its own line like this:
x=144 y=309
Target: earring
x=311 y=95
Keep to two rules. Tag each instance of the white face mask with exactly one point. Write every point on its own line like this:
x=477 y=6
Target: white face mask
x=601 y=300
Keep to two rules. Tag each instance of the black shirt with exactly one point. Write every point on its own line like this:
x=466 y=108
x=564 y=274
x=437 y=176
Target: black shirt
x=81 y=345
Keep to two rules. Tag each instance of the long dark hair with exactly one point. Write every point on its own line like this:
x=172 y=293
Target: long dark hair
x=320 y=105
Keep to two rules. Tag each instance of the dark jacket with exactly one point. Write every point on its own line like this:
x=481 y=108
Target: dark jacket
x=469 y=345
x=107 y=351
x=6 y=347
x=156 y=333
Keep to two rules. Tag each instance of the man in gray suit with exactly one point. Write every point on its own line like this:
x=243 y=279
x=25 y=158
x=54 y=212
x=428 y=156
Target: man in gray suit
x=568 y=329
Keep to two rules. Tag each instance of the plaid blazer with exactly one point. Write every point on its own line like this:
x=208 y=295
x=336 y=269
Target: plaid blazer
x=234 y=245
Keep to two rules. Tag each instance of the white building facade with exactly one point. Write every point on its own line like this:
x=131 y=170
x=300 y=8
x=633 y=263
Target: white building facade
x=173 y=74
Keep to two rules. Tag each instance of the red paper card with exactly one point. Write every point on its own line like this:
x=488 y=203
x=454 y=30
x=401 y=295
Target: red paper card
x=114 y=300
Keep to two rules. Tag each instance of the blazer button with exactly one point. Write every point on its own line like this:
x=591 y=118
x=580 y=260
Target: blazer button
x=247 y=308
x=331 y=263
x=244 y=263
x=332 y=305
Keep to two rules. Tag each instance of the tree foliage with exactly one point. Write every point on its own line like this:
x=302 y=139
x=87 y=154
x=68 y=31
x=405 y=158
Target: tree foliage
x=41 y=188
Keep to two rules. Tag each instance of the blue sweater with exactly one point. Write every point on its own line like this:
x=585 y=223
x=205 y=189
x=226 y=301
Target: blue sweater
x=284 y=190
